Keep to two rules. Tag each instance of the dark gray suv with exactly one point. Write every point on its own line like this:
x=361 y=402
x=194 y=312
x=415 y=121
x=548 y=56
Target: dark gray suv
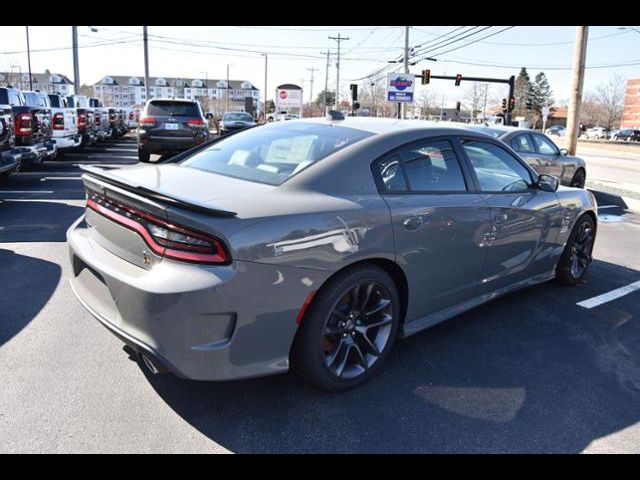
x=170 y=126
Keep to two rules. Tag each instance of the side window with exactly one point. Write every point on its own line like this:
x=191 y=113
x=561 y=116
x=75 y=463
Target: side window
x=522 y=143
x=545 y=145
x=497 y=170
x=431 y=166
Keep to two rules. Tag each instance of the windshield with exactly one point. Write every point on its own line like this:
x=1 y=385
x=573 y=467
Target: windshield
x=169 y=108
x=237 y=117
x=271 y=154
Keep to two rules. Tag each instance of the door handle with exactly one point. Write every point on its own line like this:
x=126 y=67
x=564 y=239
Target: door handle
x=412 y=223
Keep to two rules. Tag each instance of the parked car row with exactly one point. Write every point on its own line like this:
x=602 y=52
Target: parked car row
x=37 y=126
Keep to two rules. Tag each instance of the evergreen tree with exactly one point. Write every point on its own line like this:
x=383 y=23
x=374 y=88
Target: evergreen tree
x=522 y=92
x=541 y=94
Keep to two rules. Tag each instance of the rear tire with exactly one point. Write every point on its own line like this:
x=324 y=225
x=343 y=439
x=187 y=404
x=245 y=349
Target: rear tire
x=348 y=330
x=576 y=257
x=143 y=155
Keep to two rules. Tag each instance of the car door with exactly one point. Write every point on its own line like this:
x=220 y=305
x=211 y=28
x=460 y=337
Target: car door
x=523 y=237
x=440 y=225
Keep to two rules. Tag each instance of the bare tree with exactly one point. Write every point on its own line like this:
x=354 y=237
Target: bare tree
x=473 y=98
x=610 y=96
x=428 y=102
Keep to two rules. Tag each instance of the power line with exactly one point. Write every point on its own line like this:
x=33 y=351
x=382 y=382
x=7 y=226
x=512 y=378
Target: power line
x=474 y=41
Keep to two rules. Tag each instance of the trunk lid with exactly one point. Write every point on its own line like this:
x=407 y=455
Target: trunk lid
x=194 y=200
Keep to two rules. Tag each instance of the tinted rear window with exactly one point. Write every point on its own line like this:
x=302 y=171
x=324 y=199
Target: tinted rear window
x=168 y=108
x=272 y=154
x=57 y=101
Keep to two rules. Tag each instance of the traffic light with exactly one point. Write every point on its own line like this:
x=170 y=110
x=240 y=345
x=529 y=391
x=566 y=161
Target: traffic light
x=426 y=77
x=458 y=79
x=504 y=104
x=529 y=104
x=354 y=92
x=512 y=103
x=458 y=106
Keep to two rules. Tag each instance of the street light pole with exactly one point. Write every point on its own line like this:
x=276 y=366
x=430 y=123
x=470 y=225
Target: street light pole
x=266 y=58
x=228 y=87
x=76 y=66
x=29 y=60
x=326 y=84
x=146 y=63
x=406 y=65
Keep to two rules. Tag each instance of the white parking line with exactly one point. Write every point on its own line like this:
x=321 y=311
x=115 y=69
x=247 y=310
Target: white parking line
x=25 y=191
x=44 y=179
x=609 y=296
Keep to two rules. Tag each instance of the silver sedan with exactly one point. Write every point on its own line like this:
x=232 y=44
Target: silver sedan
x=312 y=245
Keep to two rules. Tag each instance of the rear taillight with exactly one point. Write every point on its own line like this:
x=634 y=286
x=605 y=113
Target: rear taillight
x=130 y=115
x=82 y=119
x=58 y=121
x=195 y=122
x=164 y=238
x=23 y=124
x=112 y=118
x=147 y=121
x=97 y=119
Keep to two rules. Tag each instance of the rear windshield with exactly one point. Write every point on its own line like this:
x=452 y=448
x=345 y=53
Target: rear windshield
x=237 y=117
x=168 y=108
x=57 y=101
x=35 y=100
x=271 y=154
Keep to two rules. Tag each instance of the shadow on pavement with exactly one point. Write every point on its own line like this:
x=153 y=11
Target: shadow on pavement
x=36 y=221
x=27 y=284
x=530 y=372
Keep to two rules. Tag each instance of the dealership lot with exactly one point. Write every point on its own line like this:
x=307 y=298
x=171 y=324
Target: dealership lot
x=531 y=372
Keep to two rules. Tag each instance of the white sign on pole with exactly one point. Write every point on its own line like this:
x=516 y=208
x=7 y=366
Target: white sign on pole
x=400 y=87
x=545 y=113
x=288 y=99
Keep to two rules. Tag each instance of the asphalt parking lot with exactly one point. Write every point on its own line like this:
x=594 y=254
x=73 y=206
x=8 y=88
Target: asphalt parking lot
x=530 y=372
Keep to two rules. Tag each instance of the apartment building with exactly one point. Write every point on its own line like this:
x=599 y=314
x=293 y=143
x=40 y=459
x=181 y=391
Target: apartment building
x=631 y=113
x=124 y=91
x=45 y=82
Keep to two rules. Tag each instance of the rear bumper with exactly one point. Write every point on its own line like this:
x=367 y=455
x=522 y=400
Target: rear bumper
x=38 y=152
x=70 y=141
x=199 y=322
x=166 y=144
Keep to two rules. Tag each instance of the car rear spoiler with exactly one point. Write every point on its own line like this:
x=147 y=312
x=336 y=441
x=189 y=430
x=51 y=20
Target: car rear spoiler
x=103 y=175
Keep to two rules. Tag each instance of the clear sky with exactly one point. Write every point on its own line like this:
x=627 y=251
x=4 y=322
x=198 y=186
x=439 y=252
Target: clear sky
x=192 y=51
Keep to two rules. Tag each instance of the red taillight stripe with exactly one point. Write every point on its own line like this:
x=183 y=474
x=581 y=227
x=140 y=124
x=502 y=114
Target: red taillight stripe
x=305 y=306
x=218 y=258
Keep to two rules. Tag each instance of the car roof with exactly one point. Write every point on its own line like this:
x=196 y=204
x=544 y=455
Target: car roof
x=378 y=126
x=183 y=100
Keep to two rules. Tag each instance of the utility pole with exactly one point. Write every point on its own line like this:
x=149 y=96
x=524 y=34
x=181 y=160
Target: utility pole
x=326 y=83
x=312 y=70
x=442 y=107
x=29 y=60
x=145 y=42
x=406 y=65
x=76 y=66
x=579 y=57
x=338 y=39
x=484 y=109
x=266 y=57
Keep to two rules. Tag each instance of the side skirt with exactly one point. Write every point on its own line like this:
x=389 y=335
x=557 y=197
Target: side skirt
x=432 y=319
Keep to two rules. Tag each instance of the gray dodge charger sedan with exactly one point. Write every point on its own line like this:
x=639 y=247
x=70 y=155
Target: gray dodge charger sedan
x=313 y=244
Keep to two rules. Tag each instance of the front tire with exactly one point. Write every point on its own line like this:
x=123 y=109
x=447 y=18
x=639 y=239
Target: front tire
x=143 y=155
x=576 y=257
x=348 y=330
x=579 y=179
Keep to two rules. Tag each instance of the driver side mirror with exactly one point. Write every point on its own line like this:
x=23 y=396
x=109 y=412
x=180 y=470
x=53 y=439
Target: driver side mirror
x=547 y=183
x=564 y=152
